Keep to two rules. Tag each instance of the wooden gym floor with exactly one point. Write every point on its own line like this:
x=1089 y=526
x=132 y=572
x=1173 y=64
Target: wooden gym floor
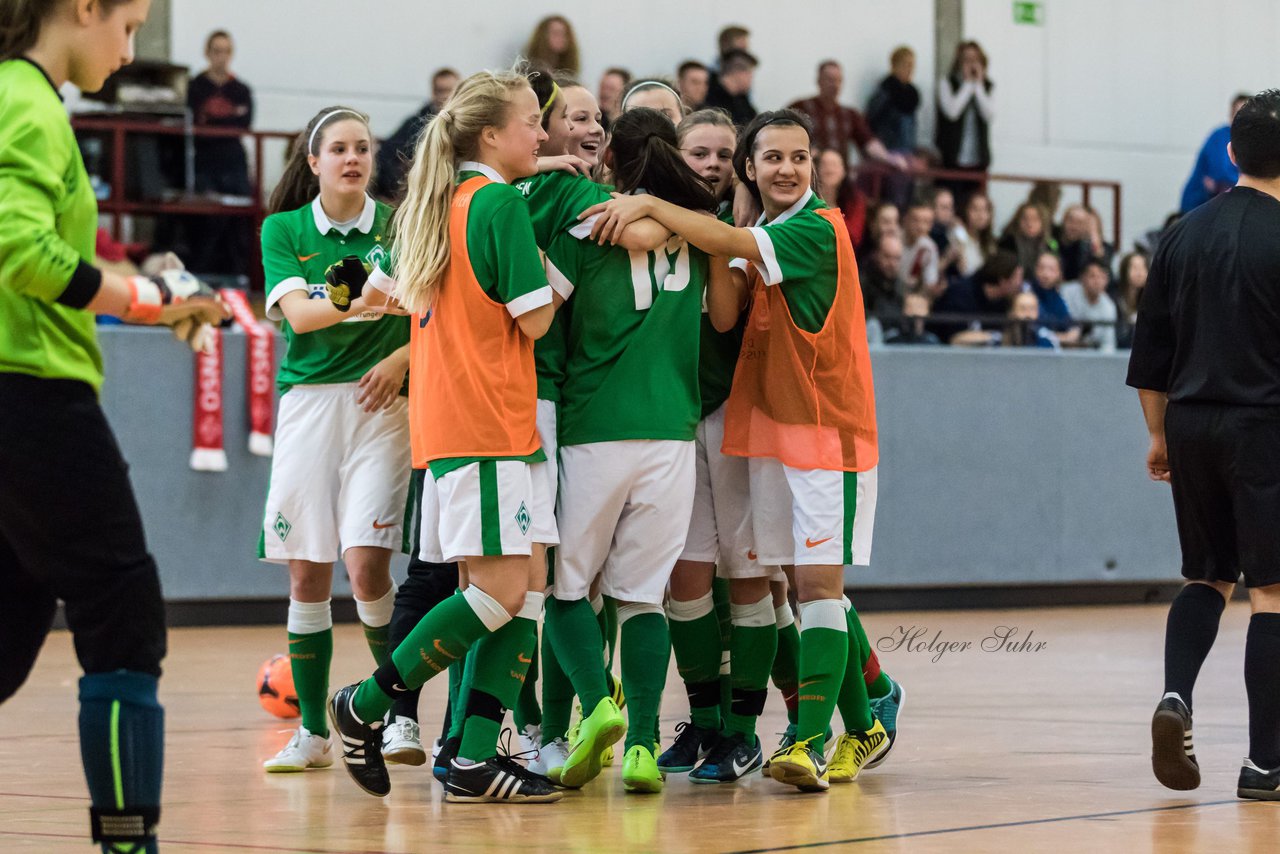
x=1029 y=751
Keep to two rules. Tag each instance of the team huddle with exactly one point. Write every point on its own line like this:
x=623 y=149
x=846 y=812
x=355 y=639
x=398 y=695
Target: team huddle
x=637 y=408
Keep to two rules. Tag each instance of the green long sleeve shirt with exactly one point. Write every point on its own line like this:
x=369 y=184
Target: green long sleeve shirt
x=48 y=227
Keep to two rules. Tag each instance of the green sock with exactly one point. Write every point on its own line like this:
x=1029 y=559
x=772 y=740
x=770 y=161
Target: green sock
x=824 y=652
x=501 y=670
x=457 y=671
x=309 y=657
x=646 y=651
x=557 y=693
x=575 y=638
x=786 y=664
x=720 y=597
x=526 y=711
x=459 y=719
x=754 y=644
x=695 y=640
x=855 y=709
x=608 y=619
x=882 y=684
x=378 y=639
x=441 y=637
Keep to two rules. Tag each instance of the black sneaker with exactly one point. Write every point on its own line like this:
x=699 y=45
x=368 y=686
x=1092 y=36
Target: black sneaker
x=729 y=760
x=361 y=744
x=692 y=743
x=1173 y=758
x=498 y=779
x=1258 y=785
x=440 y=765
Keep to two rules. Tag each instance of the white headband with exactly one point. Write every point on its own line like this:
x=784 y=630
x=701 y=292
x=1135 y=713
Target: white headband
x=311 y=140
x=649 y=84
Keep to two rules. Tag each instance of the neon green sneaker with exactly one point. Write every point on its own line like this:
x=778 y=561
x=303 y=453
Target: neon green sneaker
x=855 y=751
x=598 y=730
x=640 y=772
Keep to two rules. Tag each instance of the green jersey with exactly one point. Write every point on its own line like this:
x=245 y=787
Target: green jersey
x=718 y=351
x=48 y=230
x=297 y=247
x=632 y=332
x=504 y=257
x=799 y=254
x=555 y=200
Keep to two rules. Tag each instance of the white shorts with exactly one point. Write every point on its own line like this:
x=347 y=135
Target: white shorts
x=485 y=509
x=624 y=512
x=812 y=517
x=544 y=530
x=720 y=527
x=339 y=476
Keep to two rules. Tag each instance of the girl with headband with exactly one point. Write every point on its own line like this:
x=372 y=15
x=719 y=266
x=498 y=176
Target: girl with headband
x=341 y=465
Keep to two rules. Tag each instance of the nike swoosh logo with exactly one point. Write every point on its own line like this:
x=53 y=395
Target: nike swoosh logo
x=296 y=640
x=396 y=686
x=813 y=544
x=305 y=258
x=751 y=555
x=523 y=659
x=440 y=649
x=739 y=770
x=807 y=684
x=378 y=527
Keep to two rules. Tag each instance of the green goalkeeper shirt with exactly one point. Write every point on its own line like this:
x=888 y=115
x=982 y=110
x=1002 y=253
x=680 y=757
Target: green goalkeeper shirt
x=48 y=229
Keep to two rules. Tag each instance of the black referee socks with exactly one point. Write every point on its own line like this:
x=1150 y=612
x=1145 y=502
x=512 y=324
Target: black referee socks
x=1261 y=676
x=1189 y=635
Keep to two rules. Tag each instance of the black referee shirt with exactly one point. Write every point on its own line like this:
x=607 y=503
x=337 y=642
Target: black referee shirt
x=1208 y=326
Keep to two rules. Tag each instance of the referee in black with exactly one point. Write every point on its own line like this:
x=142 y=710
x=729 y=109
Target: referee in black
x=1206 y=363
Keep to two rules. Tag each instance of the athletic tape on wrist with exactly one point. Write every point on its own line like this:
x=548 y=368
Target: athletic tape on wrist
x=146 y=301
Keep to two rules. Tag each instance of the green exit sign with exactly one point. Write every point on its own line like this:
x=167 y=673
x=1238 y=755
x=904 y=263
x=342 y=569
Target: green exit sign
x=1025 y=12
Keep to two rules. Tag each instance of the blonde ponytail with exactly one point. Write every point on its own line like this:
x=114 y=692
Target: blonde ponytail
x=421 y=224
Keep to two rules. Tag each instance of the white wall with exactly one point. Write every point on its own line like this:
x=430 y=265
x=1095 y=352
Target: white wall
x=1120 y=89
x=301 y=55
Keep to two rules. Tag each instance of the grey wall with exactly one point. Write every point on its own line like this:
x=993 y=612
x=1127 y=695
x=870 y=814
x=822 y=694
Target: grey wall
x=996 y=468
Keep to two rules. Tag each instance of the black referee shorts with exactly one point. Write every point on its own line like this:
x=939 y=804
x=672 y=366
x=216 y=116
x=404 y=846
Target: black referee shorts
x=70 y=530
x=1225 y=467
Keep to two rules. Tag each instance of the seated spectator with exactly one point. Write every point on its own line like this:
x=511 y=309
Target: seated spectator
x=730 y=90
x=947 y=232
x=554 y=46
x=732 y=37
x=891 y=111
x=1047 y=287
x=878 y=276
x=979 y=229
x=1048 y=195
x=1023 y=328
x=909 y=329
x=919 y=269
x=840 y=192
x=1027 y=236
x=839 y=127
x=1089 y=304
x=882 y=220
x=1134 y=269
x=691 y=79
x=987 y=294
x=1213 y=172
x=613 y=83
x=395 y=154
x=1079 y=239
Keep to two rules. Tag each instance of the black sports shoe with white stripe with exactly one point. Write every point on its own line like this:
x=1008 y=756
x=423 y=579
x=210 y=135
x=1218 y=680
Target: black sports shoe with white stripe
x=1257 y=784
x=1173 y=757
x=497 y=780
x=361 y=745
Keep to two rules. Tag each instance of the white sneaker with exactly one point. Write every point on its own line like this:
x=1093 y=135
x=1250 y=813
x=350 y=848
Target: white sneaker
x=303 y=751
x=530 y=740
x=402 y=742
x=550 y=760
x=436 y=747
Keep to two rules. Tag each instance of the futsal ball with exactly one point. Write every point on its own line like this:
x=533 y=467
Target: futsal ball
x=275 y=687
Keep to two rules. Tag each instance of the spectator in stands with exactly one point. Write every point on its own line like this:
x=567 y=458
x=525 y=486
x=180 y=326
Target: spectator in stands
x=692 y=79
x=910 y=328
x=1213 y=172
x=613 y=83
x=1134 y=269
x=979 y=228
x=1047 y=287
x=882 y=220
x=730 y=90
x=1074 y=243
x=218 y=99
x=891 y=111
x=987 y=294
x=554 y=46
x=1023 y=327
x=395 y=154
x=1048 y=195
x=965 y=113
x=919 y=268
x=839 y=127
x=1092 y=307
x=731 y=38
x=878 y=275
x=1027 y=236
x=948 y=232
x=840 y=192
